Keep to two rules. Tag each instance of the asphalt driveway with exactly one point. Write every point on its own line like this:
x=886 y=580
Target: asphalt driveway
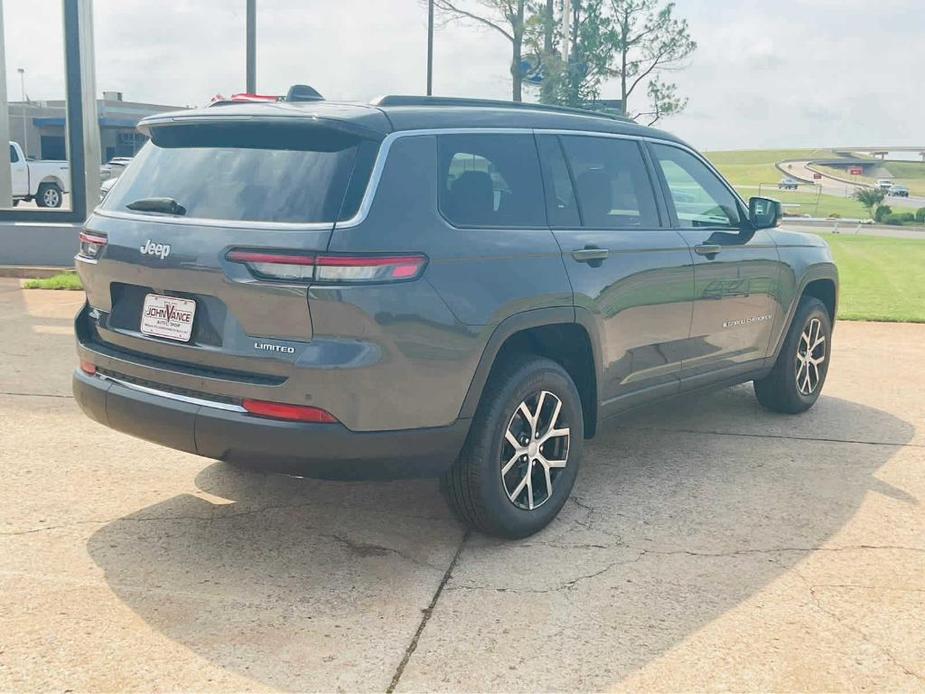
x=708 y=545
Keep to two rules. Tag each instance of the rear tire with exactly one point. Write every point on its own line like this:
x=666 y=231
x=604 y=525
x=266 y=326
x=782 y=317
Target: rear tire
x=49 y=195
x=501 y=488
x=796 y=380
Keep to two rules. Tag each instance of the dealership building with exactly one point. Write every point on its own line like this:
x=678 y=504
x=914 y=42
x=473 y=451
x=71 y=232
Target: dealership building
x=39 y=126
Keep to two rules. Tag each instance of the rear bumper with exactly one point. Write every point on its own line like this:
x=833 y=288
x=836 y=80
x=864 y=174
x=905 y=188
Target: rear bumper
x=225 y=433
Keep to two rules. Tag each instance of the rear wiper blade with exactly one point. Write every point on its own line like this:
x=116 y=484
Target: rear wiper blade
x=162 y=205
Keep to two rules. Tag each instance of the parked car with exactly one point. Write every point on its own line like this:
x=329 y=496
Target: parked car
x=46 y=182
x=884 y=184
x=898 y=191
x=106 y=186
x=788 y=184
x=427 y=286
x=114 y=167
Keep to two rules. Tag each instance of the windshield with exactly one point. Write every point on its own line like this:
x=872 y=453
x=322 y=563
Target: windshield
x=248 y=172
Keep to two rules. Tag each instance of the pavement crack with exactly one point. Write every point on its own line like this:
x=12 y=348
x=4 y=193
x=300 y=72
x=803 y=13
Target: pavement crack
x=821 y=439
x=425 y=616
x=643 y=553
x=36 y=395
x=564 y=586
x=777 y=550
x=860 y=633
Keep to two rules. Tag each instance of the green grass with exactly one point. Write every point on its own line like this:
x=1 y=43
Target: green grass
x=752 y=167
x=749 y=169
x=63 y=280
x=828 y=205
x=882 y=279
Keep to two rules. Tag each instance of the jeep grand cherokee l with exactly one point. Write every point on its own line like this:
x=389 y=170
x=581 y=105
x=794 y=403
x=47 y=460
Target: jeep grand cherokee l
x=432 y=286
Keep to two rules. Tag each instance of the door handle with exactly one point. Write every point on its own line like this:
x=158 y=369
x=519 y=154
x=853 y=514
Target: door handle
x=707 y=249
x=590 y=254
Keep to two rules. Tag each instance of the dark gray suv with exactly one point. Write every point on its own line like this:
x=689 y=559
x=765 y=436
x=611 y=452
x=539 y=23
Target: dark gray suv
x=424 y=286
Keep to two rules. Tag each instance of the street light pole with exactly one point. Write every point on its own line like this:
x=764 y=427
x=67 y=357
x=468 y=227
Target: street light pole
x=251 y=47
x=430 y=47
x=22 y=89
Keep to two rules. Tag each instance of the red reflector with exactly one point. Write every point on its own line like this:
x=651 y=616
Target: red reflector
x=292 y=413
x=87 y=367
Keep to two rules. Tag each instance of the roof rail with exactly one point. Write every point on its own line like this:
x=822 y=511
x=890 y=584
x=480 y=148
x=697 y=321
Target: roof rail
x=410 y=100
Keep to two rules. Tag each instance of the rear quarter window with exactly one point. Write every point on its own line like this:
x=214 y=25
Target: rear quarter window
x=250 y=172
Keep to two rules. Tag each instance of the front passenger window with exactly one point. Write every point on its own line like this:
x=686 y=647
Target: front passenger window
x=13 y=156
x=700 y=198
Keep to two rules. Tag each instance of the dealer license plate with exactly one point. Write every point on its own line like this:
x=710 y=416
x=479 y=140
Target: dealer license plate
x=168 y=316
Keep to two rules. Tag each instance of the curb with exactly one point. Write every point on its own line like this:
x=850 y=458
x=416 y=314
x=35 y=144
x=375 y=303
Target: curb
x=31 y=272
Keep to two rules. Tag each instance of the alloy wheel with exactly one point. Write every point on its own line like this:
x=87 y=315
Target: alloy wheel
x=535 y=450
x=51 y=197
x=811 y=354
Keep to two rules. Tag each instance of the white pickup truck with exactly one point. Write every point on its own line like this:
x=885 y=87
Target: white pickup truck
x=46 y=182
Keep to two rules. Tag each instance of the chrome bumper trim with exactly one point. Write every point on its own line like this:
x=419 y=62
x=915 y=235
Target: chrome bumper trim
x=174 y=396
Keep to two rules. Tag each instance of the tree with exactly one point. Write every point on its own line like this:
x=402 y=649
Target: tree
x=663 y=99
x=576 y=82
x=870 y=198
x=507 y=17
x=648 y=39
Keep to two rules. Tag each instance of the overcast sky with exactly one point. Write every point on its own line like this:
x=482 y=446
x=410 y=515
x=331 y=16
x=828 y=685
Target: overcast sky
x=767 y=73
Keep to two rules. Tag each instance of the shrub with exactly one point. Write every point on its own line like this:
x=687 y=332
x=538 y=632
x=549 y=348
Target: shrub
x=881 y=212
x=899 y=218
x=920 y=215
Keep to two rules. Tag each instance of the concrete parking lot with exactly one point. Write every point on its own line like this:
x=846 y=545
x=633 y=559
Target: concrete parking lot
x=708 y=545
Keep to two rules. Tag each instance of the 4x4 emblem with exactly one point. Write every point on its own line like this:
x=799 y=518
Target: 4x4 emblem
x=161 y=250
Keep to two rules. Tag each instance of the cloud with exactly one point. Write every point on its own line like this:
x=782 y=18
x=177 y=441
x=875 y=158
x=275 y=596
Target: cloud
x=782 y=74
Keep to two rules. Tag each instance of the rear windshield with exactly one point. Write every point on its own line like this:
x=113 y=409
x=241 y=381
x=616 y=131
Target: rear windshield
x=250 y=172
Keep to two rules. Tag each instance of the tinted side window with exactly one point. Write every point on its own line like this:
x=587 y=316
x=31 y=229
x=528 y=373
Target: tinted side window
x=700 y=198
x=561 y=205
x=490 y=180
x=614 y=190
x=13 y=156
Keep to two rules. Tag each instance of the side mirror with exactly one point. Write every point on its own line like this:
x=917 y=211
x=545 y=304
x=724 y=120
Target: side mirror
x=764 y=213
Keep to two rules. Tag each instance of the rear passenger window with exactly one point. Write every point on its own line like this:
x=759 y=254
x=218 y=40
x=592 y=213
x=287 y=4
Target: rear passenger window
x=490 y=181
x=13 y=156
x=611 y=182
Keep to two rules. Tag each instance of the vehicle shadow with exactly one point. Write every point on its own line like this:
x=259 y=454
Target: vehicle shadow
x=305 y=584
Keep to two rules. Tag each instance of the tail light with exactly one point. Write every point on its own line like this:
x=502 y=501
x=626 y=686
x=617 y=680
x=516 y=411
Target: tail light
x=292 y=413
x=91 y=245
x=330 y=269
x=87 y=367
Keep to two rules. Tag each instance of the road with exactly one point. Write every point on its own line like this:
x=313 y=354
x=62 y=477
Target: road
x=832 y=186
x=853 y=229
x=31 y=205
x=708 y=545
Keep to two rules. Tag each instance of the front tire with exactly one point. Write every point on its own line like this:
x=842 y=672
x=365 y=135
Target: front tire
x=521 y=457
x=795 y=382
x=49 y=195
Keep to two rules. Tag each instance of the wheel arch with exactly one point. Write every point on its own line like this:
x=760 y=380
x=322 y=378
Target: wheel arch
x=563 y=334
x=819 y=281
